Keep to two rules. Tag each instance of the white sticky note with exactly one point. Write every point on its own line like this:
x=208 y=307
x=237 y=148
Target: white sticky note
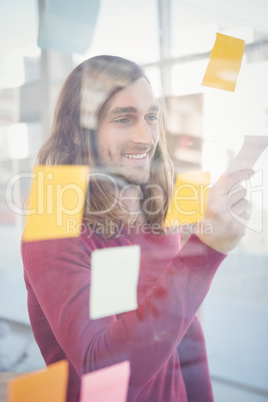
x=68 y=26
x=108 y=384
x=114 y=280
x=19 y=25
x=248 y=155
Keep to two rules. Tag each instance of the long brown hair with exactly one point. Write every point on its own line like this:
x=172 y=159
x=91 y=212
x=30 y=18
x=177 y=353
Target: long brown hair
x=73 y=141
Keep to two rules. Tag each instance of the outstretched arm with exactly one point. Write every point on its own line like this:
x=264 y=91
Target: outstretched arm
x=58 y=271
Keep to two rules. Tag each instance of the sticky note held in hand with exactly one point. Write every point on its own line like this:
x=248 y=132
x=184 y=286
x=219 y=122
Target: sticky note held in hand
x=189 y=200
x=56 y=202
x=42 y=386
x=252 y=148
x=224 y=63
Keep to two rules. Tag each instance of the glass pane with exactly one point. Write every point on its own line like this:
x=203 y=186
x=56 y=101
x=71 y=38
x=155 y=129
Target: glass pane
x=194 y=23
x=127 y=29
x=234 y=314
x=153 y=74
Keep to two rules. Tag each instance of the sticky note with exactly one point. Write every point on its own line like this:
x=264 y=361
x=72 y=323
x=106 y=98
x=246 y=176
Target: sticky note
x=108 y=384
x=114 y=280
x=68 y=26
x=189 y=200
x=224 y=63
x=248 y=155
x=17 y=34
x=43 y=386
x=56 y=202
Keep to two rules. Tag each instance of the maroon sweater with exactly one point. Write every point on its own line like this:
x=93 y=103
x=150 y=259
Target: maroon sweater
x=162 y=339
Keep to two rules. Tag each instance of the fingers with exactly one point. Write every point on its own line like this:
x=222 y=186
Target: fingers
x=228 y=182
x=227 y=211
x=245 y=215
x=236 y=195
x=240 y=207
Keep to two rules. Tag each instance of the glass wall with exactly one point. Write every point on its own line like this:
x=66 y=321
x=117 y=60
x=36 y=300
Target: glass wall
x=235 y=312
x=205 y=130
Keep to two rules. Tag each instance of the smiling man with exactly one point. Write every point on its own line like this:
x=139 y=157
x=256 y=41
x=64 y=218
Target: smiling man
x=108 y=118
x=129 y=132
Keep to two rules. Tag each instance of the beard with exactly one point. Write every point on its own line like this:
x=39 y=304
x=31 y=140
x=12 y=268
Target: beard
x=136 y=178
x=122 y=177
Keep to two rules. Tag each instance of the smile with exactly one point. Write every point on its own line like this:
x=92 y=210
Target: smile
x=135 y=156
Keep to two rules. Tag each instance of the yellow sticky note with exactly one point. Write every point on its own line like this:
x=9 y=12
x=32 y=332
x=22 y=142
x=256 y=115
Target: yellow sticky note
x=56 y=202
x=189 y=200
x=224 y=63
x=43 y=386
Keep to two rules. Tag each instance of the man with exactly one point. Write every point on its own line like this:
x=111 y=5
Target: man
x=108 y=118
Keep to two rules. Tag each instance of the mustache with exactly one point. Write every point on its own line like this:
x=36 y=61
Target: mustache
x=137 y=149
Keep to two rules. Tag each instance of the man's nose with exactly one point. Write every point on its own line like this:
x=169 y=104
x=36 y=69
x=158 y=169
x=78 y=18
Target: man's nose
x=142 y=133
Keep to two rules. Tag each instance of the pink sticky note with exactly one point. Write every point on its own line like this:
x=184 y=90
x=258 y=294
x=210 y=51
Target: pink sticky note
x=108 y=384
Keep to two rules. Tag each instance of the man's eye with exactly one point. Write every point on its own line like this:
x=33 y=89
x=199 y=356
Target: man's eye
x=124 y=120
x=151 y=117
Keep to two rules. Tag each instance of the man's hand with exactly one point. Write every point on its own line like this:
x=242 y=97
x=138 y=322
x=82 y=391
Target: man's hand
x=226 y=199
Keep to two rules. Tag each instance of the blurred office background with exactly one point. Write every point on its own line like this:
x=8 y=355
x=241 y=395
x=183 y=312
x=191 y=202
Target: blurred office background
x=172 y=40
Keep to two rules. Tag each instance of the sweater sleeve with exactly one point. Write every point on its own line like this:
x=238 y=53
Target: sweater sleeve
x=59 y=273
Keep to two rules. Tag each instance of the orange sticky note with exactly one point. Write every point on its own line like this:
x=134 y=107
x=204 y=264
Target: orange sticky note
x=56 y=202
x=108 y=384
x=224 y=63
x=189 y=200
x=43 y=386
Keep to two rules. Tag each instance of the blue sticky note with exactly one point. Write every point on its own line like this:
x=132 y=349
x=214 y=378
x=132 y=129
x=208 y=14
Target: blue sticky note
x=68 y=26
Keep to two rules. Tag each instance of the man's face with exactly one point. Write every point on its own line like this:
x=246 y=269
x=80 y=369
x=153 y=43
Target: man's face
x=129 y=131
